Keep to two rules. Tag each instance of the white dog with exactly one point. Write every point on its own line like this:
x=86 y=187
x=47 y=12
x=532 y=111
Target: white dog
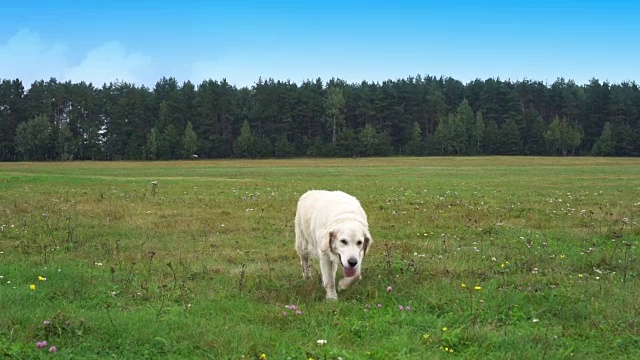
x=332 y=226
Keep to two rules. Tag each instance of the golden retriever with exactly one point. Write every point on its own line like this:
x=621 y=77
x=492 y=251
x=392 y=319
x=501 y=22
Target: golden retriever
x=332 y=226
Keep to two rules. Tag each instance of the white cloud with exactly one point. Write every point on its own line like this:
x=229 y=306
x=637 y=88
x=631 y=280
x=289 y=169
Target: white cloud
x=110 y=62
x=26 y=56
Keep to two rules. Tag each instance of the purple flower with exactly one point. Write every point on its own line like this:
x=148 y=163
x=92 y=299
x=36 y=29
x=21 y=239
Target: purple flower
x=41 y=344
x=367 y=306
x=298 y=312
x=389 y=289
x=379 y=306
x=400 y=307
x=292 y=307
x=407 y=308
x=53 y=349
x=46 y=322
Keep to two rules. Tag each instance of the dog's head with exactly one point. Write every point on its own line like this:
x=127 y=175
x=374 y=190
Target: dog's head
x=350 y=243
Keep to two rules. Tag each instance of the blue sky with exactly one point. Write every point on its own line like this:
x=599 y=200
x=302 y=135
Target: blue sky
x=141 y=41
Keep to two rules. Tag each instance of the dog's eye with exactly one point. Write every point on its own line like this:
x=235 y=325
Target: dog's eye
x=343 y=241
x=359 y=243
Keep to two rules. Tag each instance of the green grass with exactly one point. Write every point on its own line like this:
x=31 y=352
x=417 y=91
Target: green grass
x=203 y=265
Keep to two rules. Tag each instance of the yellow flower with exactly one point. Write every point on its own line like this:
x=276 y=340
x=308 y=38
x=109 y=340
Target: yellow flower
x=446 y=349
x=32 y=287
x=426 y=336
x=463 y=285
x=40 y=278
x=444 y=329
x=580 y=275
x=451 y=350
x=562 y=256
x=502 y=265
x=426 y=234
x=263 y=357
x=477 y=288
x=506 y=262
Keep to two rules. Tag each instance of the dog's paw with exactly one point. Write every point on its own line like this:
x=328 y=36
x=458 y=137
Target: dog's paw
x=344 y=284
x=332 y=296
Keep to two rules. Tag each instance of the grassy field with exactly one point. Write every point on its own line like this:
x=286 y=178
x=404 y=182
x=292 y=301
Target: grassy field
x=501 y=258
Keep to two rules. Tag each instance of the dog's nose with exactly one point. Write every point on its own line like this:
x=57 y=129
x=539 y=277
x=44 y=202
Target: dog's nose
x=352 y=262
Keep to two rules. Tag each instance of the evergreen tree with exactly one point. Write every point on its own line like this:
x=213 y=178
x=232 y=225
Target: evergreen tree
x=283 y=148
x=466 y=124
x=510 y=139
x=491 y=138
x=151 y=148
x=604 y=145
x=335 y=111
x=169 y=144
x=415 y=146
x=477 y=134
x=33 y=138
x=189 y=141
x=244 y=147
x=536 y=143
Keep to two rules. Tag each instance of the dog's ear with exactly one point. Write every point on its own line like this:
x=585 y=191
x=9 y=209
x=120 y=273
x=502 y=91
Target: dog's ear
x=327 y=241
x=367 y=242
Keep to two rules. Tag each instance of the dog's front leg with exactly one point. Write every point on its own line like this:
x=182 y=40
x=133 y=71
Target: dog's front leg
x=328 y=269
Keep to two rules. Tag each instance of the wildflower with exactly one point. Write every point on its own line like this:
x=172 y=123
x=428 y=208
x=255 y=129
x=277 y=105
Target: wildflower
x=46 y=322
x=41 y=344
x=389 y=289
x=400 y=307
x=426 y=336
x=379 y=306
x=463 y=285
x=535 y=320
x=298 y=312
x=407 y=308
x=444 y=329
x=367 y=306
x=562 y=256
x=291 y=307
x=502 y=265
x=321 y=342
x=580 y=275
x=53 y=349
x=284 y=314
x=40 y=278
x=477 y=288
x=425 y=234
x=263 y=357
x=32 y=287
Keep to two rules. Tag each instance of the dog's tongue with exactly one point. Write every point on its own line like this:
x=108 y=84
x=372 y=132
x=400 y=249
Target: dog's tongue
x=349 y=272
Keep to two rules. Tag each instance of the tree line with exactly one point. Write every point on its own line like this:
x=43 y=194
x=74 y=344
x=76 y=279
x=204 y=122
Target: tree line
x=418 y=116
